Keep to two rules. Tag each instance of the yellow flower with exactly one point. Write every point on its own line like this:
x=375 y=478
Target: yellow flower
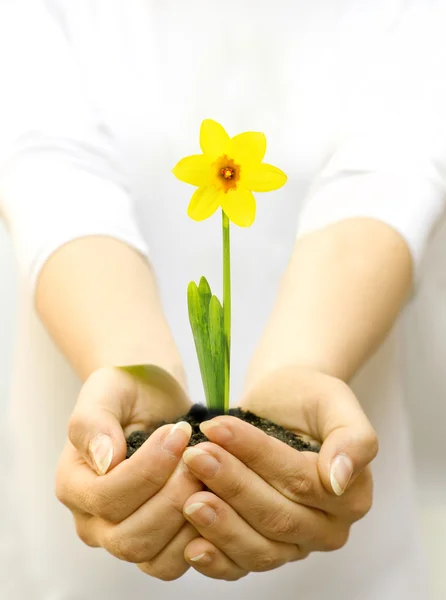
x=227 y=173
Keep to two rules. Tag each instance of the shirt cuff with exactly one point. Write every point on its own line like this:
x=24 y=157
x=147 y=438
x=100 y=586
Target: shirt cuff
x=51 y=202
x=407 y=200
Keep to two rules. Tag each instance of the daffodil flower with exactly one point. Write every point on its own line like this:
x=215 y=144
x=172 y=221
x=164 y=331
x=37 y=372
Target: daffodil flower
x=227 y=173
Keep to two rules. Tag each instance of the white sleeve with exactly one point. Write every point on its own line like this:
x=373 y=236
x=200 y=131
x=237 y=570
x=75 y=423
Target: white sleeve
x=389 y=160
x=59 y=169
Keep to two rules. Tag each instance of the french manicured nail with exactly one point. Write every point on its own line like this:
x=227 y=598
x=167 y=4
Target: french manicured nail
x=101 y=451
x=201 y=514
x=341 y=473
x=177 y=438
x=202 y=559
x=216 y=432
x=201 y=462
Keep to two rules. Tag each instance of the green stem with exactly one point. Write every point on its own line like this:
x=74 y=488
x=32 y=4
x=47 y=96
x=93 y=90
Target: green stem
x=226 y=304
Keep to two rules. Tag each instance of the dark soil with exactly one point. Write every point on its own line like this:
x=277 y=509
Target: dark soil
x=199 y=413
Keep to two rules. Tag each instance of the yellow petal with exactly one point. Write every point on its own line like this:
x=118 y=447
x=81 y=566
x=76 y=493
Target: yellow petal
x=193 y=169
x=204 y=203
x=247 y=148
x=240 y=206
x=263 y=178
x=213 y=139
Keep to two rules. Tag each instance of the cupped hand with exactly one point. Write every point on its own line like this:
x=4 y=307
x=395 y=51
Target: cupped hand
x=268 y=504
x=133 y=508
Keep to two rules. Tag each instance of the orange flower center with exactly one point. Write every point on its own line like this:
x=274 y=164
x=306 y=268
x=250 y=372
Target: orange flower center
x=227 y=173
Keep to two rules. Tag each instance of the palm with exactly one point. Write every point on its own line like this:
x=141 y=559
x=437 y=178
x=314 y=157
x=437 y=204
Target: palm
x=297 y=397
x=151 y=396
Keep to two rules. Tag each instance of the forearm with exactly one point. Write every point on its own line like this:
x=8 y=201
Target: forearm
x=98 y=299
x=340 y=296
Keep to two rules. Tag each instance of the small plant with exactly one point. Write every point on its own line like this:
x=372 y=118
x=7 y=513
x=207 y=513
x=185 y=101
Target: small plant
x=226 y=174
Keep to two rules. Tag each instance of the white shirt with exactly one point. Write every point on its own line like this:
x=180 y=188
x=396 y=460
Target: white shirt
x=99 y=100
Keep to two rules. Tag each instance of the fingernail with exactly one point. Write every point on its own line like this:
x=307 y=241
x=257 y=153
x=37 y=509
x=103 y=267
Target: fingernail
x=216 y=431
x=341 y=473
x=201 y=462
x=101 y=451
x=202 y=559
x=201 y=514
x=177 y=438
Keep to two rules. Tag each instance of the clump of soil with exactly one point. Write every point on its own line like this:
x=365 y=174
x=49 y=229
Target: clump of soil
x=199 y=413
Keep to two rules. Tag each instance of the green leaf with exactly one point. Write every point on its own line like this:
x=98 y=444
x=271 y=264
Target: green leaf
x=198 y=316
x=155 y=376
x=217 y=344
x=205 y=293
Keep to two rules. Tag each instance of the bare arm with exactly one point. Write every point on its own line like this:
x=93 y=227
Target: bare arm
x=98 y=299
x=341 y=293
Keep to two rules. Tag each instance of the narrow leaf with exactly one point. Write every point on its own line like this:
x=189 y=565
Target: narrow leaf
x=217 y=345
x=156 y=377
x=204 y=290
x=198 y=316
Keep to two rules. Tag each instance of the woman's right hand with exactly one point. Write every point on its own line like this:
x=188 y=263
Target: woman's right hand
x=133 y=508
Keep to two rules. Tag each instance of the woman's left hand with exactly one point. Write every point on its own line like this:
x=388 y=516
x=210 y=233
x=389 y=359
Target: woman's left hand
x=268 y=504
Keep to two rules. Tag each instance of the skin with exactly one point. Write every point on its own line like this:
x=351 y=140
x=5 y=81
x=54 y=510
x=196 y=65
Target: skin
x=340 y=296
x=263 y=495
x=118 y=320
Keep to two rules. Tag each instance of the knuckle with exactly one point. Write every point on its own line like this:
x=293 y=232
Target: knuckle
x=93 y=501
x=336 y=541
x=75 y=425
x=281 y=524
x=253 y=456
x=84 y=531
x=106 y=508
x=234 y=487
x=360 y=507
x=227 y=572
x=360 y=499
x=233 y=574
x=298 y=487
x=127 y=549
x=101 y=504
x=372 y=442
x=301 y=555
x=228 y=538
x=150 y=478
x=265 y=561
x=61 y=491
x=175 y=507
x=96 y=504
x=165 y=571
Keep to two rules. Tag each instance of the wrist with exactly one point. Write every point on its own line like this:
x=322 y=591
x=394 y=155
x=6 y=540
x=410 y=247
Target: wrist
x=266 y=362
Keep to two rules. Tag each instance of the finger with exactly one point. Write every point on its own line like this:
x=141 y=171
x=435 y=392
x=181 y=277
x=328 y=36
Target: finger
x=259 y=504
x=349 y=445
x=329 y=411
x=95 y=428
x=85 y=529
x=208 y=560
x=217 y=522
x=116 y=495
x=170 y=563
x=145 y=533
x=294 y=474
x=349 y=440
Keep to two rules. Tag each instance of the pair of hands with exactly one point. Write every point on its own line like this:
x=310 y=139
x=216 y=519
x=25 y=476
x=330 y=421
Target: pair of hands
x=265 y=504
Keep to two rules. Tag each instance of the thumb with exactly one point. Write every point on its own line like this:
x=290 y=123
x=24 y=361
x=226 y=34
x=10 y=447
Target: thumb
x=349 y=440
x=95 y=428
